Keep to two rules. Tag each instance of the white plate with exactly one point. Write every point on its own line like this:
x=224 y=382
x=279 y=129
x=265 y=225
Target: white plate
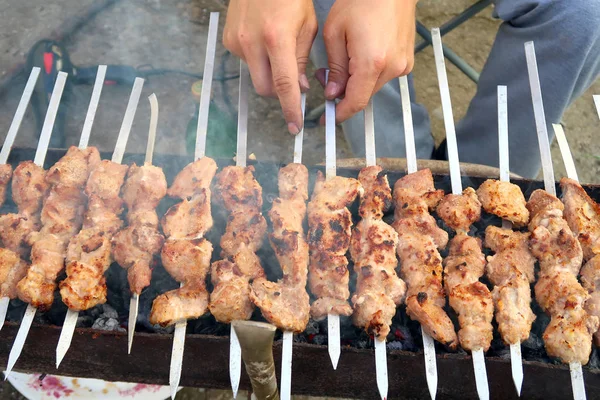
x=59 y=387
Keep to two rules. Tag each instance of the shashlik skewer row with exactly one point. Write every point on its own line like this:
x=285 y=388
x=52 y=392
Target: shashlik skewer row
x=429 y=352
x=61 y=218
x=511 y=269
x=186 y=254
x=569 y=334
x=286 y=303
x=470 y=298
x=373 y=249
x=329 y=233
x=89 y=252
x=14 y=228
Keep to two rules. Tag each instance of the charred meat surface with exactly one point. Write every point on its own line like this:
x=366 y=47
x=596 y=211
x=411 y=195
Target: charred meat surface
x=286 y=303
x=373 y=250
x=241 y=195
x=419 y=239
x=5 y=174
x=505 y=200
x=329 y=232
x=568 y=336
x=186 y=253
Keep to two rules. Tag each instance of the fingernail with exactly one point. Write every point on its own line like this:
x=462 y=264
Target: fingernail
x=304 y=85
x=331 y=89
x=293 y=128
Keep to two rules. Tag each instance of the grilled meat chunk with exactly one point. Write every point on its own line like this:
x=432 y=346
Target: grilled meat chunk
x=505 y=200
x=5 y=174
x=460 y=211
x=583 y=216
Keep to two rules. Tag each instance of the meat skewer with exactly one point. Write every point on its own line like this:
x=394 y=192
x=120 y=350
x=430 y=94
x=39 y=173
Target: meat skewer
x=89 y=252
x=135 y=246
x=569 y=334
x=186 y=253
x=411 y=163
x=511 y=269
x=286 y=303
x=583 y=217
x=61 y=218
x=10 y=258
x=373 y=248
x=241 y=196
x=330 y=223
x=465 y=264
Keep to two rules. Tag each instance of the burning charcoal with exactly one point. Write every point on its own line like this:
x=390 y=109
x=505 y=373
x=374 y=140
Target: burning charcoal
x=320 y=339
x=594 y=359
x=534 y=342
x=107 y=324
x=109 y=312
x=312 y=328
x=395 y=345
x=85 y=321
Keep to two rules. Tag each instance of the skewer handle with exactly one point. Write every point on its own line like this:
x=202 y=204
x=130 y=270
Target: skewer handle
x=18 y=118
x=242 y=129
x=91 y=112
x=540 y=118
x=370 y=151
x=299 y=139
x=286 y=365
x=152 y=129
x=42 y=149
x=577 y=381
x=330 y=165
x=209 y=66
x=447 y=110
x=409 y=133
x=134 y=99
x=565 y=151
x=503 y=134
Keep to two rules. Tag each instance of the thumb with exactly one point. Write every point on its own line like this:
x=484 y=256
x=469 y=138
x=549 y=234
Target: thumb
x=337 y=54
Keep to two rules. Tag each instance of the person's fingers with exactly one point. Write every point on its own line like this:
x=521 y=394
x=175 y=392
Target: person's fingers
x=284 y=67
x=320 y=76
x=260 y=71
x=360 y=87
x=337 y=54
x=303 y=44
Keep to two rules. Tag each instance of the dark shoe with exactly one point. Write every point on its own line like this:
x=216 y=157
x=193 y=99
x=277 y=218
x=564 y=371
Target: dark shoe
x=441 y=152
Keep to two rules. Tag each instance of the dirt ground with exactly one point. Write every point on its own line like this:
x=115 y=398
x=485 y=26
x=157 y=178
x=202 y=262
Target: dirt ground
x=172 y=34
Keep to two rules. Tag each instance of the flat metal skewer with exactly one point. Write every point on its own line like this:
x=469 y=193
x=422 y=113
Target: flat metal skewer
x=235 y=351
x=288 y=336
x=597 y=103
x=66 y=333
x=40 y=157
x=7 y=147
x=333 y=320
x=516 y=361
x=548 y=171
x=411 y=165
x=481 y=380
x=200 y=151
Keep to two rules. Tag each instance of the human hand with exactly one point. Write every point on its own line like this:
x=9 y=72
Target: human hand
x=368 y=44
x=274 y=38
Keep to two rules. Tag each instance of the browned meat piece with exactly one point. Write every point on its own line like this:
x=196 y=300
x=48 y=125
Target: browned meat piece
x=460 y=211
x=230 y=299
x=194 y=178
x=373 y=249
x=15 y=230
x=293 y=183
x=190 y=218
x=511 y=270
x=469 y=298
x=320 y=308
x=187 y=260
x=61 y=217
x=144 y=188
x=237 y=189
x=287 y=240
x=12 y=270
x=187 y=302
x=505 y=200
x=512 y=252
x=583 y=216
x=421 y=263
x=5 y=174
x=569 y=334
x=590 y=279
x=29 y=187
x=284 y=305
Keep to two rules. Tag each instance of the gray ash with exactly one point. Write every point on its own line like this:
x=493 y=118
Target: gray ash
x=405 y=334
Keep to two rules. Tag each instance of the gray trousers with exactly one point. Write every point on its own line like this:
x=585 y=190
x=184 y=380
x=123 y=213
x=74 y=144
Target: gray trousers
x=567 y=42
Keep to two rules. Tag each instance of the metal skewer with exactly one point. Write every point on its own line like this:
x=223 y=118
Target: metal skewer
x=235 y=351
x=7 y=147
x=66 y=334
x=516 y=361
x=597 y=103
x=411 y=163
x=288 y=336
x=333 y=320
x=381 y=370
x=40 y=157
x=481 y=380
x=200 y=151
x=547 y=168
